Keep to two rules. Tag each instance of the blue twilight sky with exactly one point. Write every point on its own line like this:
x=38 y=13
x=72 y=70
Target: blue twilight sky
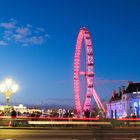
x=37 y=42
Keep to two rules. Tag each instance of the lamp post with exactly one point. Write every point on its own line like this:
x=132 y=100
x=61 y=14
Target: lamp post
x=8 y=87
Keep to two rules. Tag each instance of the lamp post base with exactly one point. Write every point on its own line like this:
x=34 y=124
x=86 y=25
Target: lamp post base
x=7 y=110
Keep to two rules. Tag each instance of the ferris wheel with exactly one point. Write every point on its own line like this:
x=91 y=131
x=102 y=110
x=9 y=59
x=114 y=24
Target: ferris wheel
x=84 y=35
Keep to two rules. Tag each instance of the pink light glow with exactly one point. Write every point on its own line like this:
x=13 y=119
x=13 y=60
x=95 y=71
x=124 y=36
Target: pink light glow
x=98 y=100
x=89 y=73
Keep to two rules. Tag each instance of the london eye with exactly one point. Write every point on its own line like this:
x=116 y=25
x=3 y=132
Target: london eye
x=90 y=92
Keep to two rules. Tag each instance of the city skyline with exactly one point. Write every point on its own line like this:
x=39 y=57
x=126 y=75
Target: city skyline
x=37 y=43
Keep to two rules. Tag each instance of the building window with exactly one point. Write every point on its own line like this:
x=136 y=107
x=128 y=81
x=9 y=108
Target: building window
x=115 y=113
x=111 y=114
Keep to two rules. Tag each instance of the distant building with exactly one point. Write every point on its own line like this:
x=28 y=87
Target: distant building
x=125 y=102
x=20 y=108
x=33 y=110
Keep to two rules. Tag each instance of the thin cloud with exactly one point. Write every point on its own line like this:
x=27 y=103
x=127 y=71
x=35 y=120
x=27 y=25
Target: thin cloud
x=24 y=35
x=8 y=25
x=24 y=31
x=3 y=43
x=40 y=29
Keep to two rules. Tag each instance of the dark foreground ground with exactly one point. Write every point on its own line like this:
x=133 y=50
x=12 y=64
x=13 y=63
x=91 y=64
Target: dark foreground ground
x=70 y=134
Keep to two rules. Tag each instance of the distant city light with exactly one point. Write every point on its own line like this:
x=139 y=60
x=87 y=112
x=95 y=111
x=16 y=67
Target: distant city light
x=136 y=92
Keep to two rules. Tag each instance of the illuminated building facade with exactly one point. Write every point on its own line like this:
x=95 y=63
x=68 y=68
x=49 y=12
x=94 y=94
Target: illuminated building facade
x=125 y=102
x=20 y=108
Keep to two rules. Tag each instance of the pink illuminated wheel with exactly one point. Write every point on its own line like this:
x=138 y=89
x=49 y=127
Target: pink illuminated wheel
x=89 y=73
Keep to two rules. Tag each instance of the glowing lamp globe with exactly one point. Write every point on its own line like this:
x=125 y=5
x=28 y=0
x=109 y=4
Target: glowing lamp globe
x=14 y=87
x=8 y=82
x=2 y=87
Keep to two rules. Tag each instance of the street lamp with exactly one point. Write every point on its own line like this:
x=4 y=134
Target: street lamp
x=8 y=87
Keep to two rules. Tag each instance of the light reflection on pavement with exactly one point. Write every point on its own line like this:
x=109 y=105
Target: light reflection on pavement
x=68 y=139
x=40 y=139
